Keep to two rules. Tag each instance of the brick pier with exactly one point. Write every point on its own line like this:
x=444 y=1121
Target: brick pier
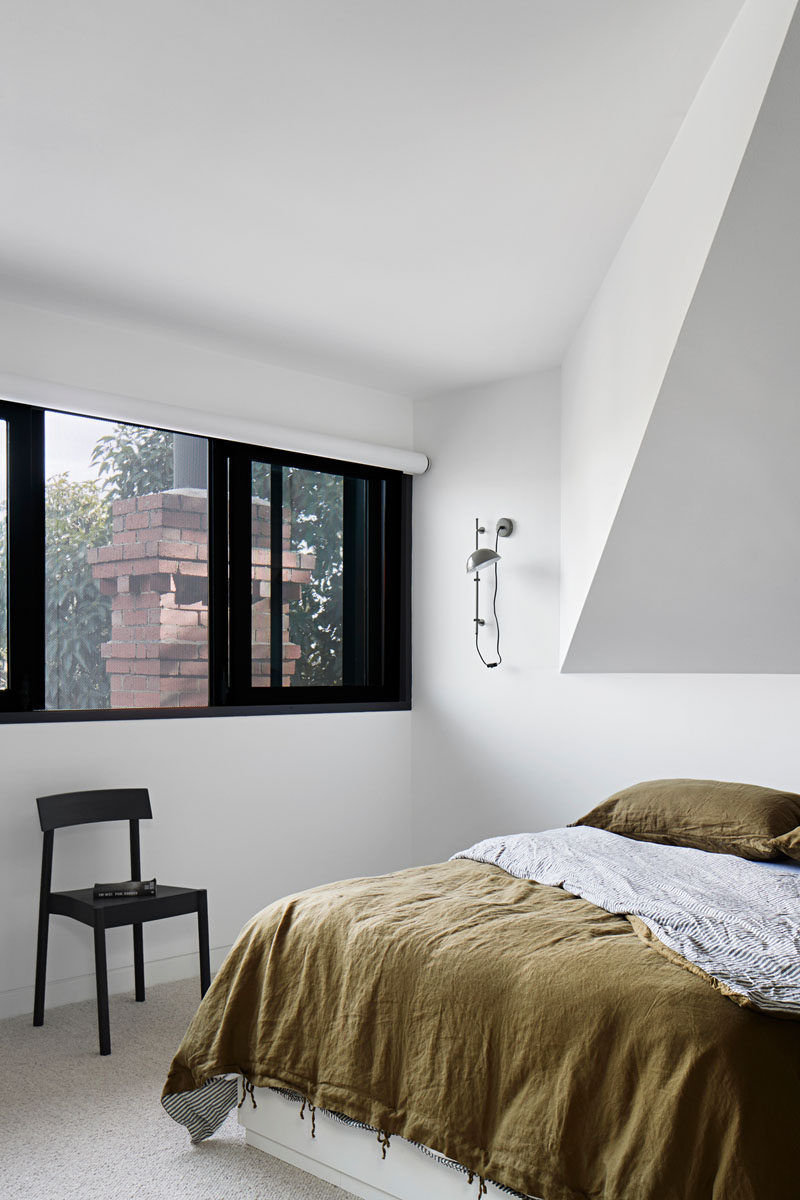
x=156 y=573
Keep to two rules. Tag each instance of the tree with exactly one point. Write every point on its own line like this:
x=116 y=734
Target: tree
x=315 y=501
x=133 y=461
x=77 y=614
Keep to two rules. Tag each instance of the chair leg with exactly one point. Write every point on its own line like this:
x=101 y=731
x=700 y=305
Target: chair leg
x=202 y=937
x=41 y=965
x=101 y=975
x=138 y=961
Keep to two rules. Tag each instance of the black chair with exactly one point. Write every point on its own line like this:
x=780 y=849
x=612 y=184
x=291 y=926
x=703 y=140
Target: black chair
x=83 y=808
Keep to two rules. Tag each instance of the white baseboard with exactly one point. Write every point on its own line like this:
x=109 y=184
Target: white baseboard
x=16 y=1001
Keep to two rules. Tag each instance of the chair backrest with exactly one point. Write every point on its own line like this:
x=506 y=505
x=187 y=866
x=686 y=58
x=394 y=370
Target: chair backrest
x=84 y=808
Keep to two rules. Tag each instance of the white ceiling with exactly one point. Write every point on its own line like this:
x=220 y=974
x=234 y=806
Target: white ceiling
x=410 y=194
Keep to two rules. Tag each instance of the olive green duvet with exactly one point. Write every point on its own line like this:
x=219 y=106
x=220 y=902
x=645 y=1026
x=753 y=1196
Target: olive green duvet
x=523 y=1032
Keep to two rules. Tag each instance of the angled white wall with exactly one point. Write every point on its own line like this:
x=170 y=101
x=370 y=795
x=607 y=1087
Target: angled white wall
x=618 y=360
x=701 y=570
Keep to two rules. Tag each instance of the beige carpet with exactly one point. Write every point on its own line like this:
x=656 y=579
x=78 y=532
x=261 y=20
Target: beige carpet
x=73 y=1124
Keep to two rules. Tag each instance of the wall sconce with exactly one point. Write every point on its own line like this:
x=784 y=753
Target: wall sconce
x=481 y=558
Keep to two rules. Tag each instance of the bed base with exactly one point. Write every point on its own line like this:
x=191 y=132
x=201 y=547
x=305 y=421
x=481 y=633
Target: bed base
x=350 y=1157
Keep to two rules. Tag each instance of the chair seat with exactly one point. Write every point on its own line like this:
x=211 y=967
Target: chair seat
x=127 y=910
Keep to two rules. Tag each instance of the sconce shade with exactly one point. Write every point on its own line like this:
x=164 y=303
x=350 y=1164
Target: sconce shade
x=481 y=558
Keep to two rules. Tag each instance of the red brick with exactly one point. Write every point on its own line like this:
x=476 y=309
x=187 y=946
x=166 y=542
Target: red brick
x=290 y=651
x=105 y=571
x=108 y=587
x=120 y=666
x=194 y=521
x=161 y=517
x=198 y=569
x=192 y=633
x=177 y=550
x=134 y=618
x=184 y=503
x=183 y=616
x=119 y=507
x=151 y=501
x=137 y=520
x=151 y=566
x=117 y=650
x=177 y=651
x=194 y=668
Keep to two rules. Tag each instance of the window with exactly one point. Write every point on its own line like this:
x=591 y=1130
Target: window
x=137 y=574
x=3 y=556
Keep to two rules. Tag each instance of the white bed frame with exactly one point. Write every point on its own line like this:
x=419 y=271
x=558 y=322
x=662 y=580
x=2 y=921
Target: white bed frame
x=350 y=1157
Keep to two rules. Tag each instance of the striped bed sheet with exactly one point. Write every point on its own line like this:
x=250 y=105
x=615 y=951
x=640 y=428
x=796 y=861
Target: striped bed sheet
x=736 y=920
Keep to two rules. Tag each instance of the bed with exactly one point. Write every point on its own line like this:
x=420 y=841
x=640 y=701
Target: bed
x=580 y=1013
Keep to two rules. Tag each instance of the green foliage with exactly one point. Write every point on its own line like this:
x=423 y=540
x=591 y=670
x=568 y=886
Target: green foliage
x=315 y=501
x=133 y=461
x=77 y=614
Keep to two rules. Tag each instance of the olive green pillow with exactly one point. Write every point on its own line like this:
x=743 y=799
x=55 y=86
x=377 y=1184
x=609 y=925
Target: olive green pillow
x=789 y=844
x=729 y=818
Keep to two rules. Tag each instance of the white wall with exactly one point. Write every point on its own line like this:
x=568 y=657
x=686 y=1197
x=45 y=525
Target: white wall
x=713 y=496
x=251 y=807
x=522 y=746
x=616 y=363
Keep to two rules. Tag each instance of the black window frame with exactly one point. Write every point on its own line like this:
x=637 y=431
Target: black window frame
x=377 y=552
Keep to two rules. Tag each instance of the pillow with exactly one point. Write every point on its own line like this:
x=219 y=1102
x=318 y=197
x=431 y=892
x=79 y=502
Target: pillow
x=729 y=818
x=789 y=844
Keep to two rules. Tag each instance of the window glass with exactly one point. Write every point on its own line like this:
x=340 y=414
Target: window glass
x=126 y=566
x=3 y=555
x=310 y=621
x=260 y=563
x=313 y=575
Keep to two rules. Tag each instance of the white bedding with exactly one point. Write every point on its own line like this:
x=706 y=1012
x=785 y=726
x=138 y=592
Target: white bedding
x=737 y=920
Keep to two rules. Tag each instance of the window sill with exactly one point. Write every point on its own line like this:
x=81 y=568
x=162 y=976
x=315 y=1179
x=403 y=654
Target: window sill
x=158 y=714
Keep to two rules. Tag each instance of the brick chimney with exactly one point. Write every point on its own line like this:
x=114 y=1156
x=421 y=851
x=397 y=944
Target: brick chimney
x=156 y=572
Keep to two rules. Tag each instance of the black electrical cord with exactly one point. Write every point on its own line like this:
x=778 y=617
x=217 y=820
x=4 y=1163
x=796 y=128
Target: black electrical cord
x=494 y=607
x=477 y=647
x=496 y=622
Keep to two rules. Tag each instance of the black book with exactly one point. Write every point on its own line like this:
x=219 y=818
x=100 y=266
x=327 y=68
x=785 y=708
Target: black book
x=126 y=889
